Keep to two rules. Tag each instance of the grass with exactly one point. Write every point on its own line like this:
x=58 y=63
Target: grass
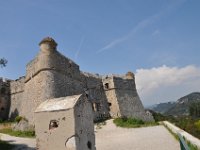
x=132 y=123
x=7 y=129
x=29 y=134
x=5 y=145
x=191 y=146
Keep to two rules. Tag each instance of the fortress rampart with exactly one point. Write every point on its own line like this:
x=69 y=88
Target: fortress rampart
x=52 y=75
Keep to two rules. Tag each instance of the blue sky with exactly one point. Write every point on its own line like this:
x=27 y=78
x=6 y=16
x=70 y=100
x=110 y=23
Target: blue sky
x=104 y=36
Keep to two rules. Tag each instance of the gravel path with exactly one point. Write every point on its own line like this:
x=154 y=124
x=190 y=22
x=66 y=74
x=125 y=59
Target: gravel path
x=111 y=137
x=21 y=143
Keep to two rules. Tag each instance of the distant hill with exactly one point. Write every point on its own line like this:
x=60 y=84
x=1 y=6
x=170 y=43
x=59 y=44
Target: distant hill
x=182 y=105
x=178 y=108
x=162 y=107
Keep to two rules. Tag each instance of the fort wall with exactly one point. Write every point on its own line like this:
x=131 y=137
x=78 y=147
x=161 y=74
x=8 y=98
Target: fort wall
x=17 y=97
x=109 y=89
x=97 y=96
x=122 y=94
x=4 y=98
x=52 y=75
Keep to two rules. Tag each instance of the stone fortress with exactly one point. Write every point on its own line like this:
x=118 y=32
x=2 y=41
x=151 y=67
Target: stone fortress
x=51 y=75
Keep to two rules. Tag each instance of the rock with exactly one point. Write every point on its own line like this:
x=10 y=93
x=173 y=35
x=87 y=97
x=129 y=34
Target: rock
x=23 y=125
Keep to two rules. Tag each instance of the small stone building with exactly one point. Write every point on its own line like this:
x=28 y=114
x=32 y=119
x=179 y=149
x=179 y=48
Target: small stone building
x=65 y=123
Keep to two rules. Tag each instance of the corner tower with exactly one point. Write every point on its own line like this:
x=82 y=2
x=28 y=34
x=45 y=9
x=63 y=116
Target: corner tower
x=49 y=75
x=123 y=97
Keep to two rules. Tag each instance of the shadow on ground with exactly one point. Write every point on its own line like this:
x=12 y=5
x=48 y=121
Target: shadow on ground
x=22 y=147
x=10 y=145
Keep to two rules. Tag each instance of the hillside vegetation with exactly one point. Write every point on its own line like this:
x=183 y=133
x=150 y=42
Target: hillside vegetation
x=184 y=113
x=184 y=106
x=188 y=123
x=162 y=107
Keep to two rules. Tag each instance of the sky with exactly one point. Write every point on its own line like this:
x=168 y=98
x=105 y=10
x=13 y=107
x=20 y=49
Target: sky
x=158 y=40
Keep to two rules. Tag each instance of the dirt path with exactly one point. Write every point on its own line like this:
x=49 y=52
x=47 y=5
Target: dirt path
x=110 y=137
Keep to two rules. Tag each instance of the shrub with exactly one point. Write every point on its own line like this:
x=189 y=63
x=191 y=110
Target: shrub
x=158 y=116
x=197 y=125
x=191 y=146
x=128 y=122
x=189 y=124
x=18 y=119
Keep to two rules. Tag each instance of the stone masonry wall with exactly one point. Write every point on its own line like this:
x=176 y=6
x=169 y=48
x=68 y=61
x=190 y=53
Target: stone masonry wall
x=95 y=91
x=111 y=97
x=122 y=95
x=37 y=89
x=4 y=98
x=129 y=102
x=17 y=97
x=50 y=75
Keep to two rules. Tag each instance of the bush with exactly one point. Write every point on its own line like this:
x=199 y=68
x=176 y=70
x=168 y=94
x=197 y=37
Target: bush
x=194 y=109
x=197 y=125
x=132 y=122
x=189 y=124
x=158 y=117
x=18 y=119
x=191 y=146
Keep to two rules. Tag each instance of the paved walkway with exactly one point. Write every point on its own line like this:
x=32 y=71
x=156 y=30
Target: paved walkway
x=110 y=137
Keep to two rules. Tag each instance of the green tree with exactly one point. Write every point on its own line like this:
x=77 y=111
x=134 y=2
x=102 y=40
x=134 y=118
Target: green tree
x=194 y=109
x=3 y=62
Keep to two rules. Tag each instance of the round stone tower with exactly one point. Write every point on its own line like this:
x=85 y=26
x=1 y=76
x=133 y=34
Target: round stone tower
x=48 y=45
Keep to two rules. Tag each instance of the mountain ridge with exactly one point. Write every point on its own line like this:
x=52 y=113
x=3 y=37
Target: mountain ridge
x=179 y=107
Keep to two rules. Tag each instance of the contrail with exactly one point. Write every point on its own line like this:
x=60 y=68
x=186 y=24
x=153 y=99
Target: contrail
x=79 y=48
x=142 y=24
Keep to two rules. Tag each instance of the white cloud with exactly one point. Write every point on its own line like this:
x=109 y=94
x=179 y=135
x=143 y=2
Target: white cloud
x=167 y=83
